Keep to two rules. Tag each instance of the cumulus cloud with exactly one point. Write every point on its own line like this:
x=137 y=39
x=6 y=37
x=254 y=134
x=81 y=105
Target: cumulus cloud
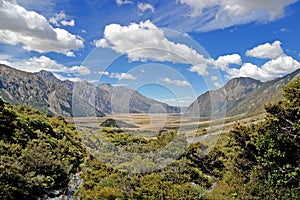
x=68 y=23
x=175 y=82
x=200 y=69
x=122 y=76
x=272 y=69
x=279 y=63
x=70 y=54
x=104 y=73
x=63 y=78
x=36 y=64
x=57 y=18
x=82 y=70
x=133 y=40
x=267 y=50
x=142 y=7
x=33 y=31
x=224 y=61
x=122 y=2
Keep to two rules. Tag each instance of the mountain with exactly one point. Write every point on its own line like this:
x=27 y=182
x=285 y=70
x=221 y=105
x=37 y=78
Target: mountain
x=42 y=90
x=239 y=96
x=50 y=77
x=18 y=87
x=109 y=99
x=124 y=100
x=268 y=92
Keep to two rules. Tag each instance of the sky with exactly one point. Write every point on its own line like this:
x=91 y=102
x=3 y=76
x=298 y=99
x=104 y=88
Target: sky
x=170 y=50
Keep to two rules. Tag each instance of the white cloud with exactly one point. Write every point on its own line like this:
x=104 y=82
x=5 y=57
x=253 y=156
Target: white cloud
x=133 y=40
x=120 y=85
x=224 y=61
x=214 y=78
x=200 y=69
x=175 y=82
x=63 y=78
x=267 y=50
x=36 y=64
x=207 y=15
x=101 y=43
x=180 y=101
x=142 y=7
x=104 y=73
x=217 y=84
x=68 y=23
x=268 y=71
x=122 y=76
x=70 y=54
x=82 y=70
x=32 y=30
x=198 y=6
x=57 y=18
x=122 y=2
x=60 y=18
x=273 y=9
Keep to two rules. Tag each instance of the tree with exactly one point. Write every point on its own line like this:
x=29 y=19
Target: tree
x=264 y=159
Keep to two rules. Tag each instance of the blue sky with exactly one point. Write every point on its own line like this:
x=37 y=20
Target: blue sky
x=171 y=50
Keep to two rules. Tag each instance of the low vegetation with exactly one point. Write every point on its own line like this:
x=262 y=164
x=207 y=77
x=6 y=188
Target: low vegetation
x=258 y=161
x=38 y=154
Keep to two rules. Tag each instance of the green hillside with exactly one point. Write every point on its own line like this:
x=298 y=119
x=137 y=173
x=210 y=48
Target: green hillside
x=38 y=154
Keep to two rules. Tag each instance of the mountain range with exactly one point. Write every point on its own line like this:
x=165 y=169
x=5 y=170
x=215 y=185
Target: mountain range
x=45 y=92
x=239 y=96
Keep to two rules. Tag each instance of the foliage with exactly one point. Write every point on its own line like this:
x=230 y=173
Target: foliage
x=38 y=154
x=260 y=161
x=263 y=161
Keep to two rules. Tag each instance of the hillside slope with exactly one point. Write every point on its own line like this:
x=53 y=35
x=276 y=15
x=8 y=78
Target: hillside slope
x=45 y=92
x=18 y=87
x=239 y=96
x=110 y=99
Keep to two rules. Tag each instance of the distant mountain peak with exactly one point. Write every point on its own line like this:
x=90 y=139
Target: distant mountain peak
x=242 y=81
x=52 y=78
x=44 y=73
x=242 y=95
x=105 y=86
x=47 y=93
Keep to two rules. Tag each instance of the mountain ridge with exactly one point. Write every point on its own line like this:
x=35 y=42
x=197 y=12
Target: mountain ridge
x=51 y=95
x=241 y=95
x=19 y=87
x=44 y=91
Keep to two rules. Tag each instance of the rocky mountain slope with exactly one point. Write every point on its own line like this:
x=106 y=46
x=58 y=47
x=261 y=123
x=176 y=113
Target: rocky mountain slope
x=109 y=99
x=238 y=96
x=45 y=92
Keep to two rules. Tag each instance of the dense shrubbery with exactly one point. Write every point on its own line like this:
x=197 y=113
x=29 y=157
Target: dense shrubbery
x=261 y=161
x=38 y=154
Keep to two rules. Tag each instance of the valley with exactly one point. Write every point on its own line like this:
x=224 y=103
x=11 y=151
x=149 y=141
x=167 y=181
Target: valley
x=148 y=125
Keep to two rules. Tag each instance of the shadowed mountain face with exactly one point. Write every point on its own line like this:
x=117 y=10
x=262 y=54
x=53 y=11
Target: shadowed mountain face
x=238 y=96
x=50 y=77
x=18 y=87
x=45 y=92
